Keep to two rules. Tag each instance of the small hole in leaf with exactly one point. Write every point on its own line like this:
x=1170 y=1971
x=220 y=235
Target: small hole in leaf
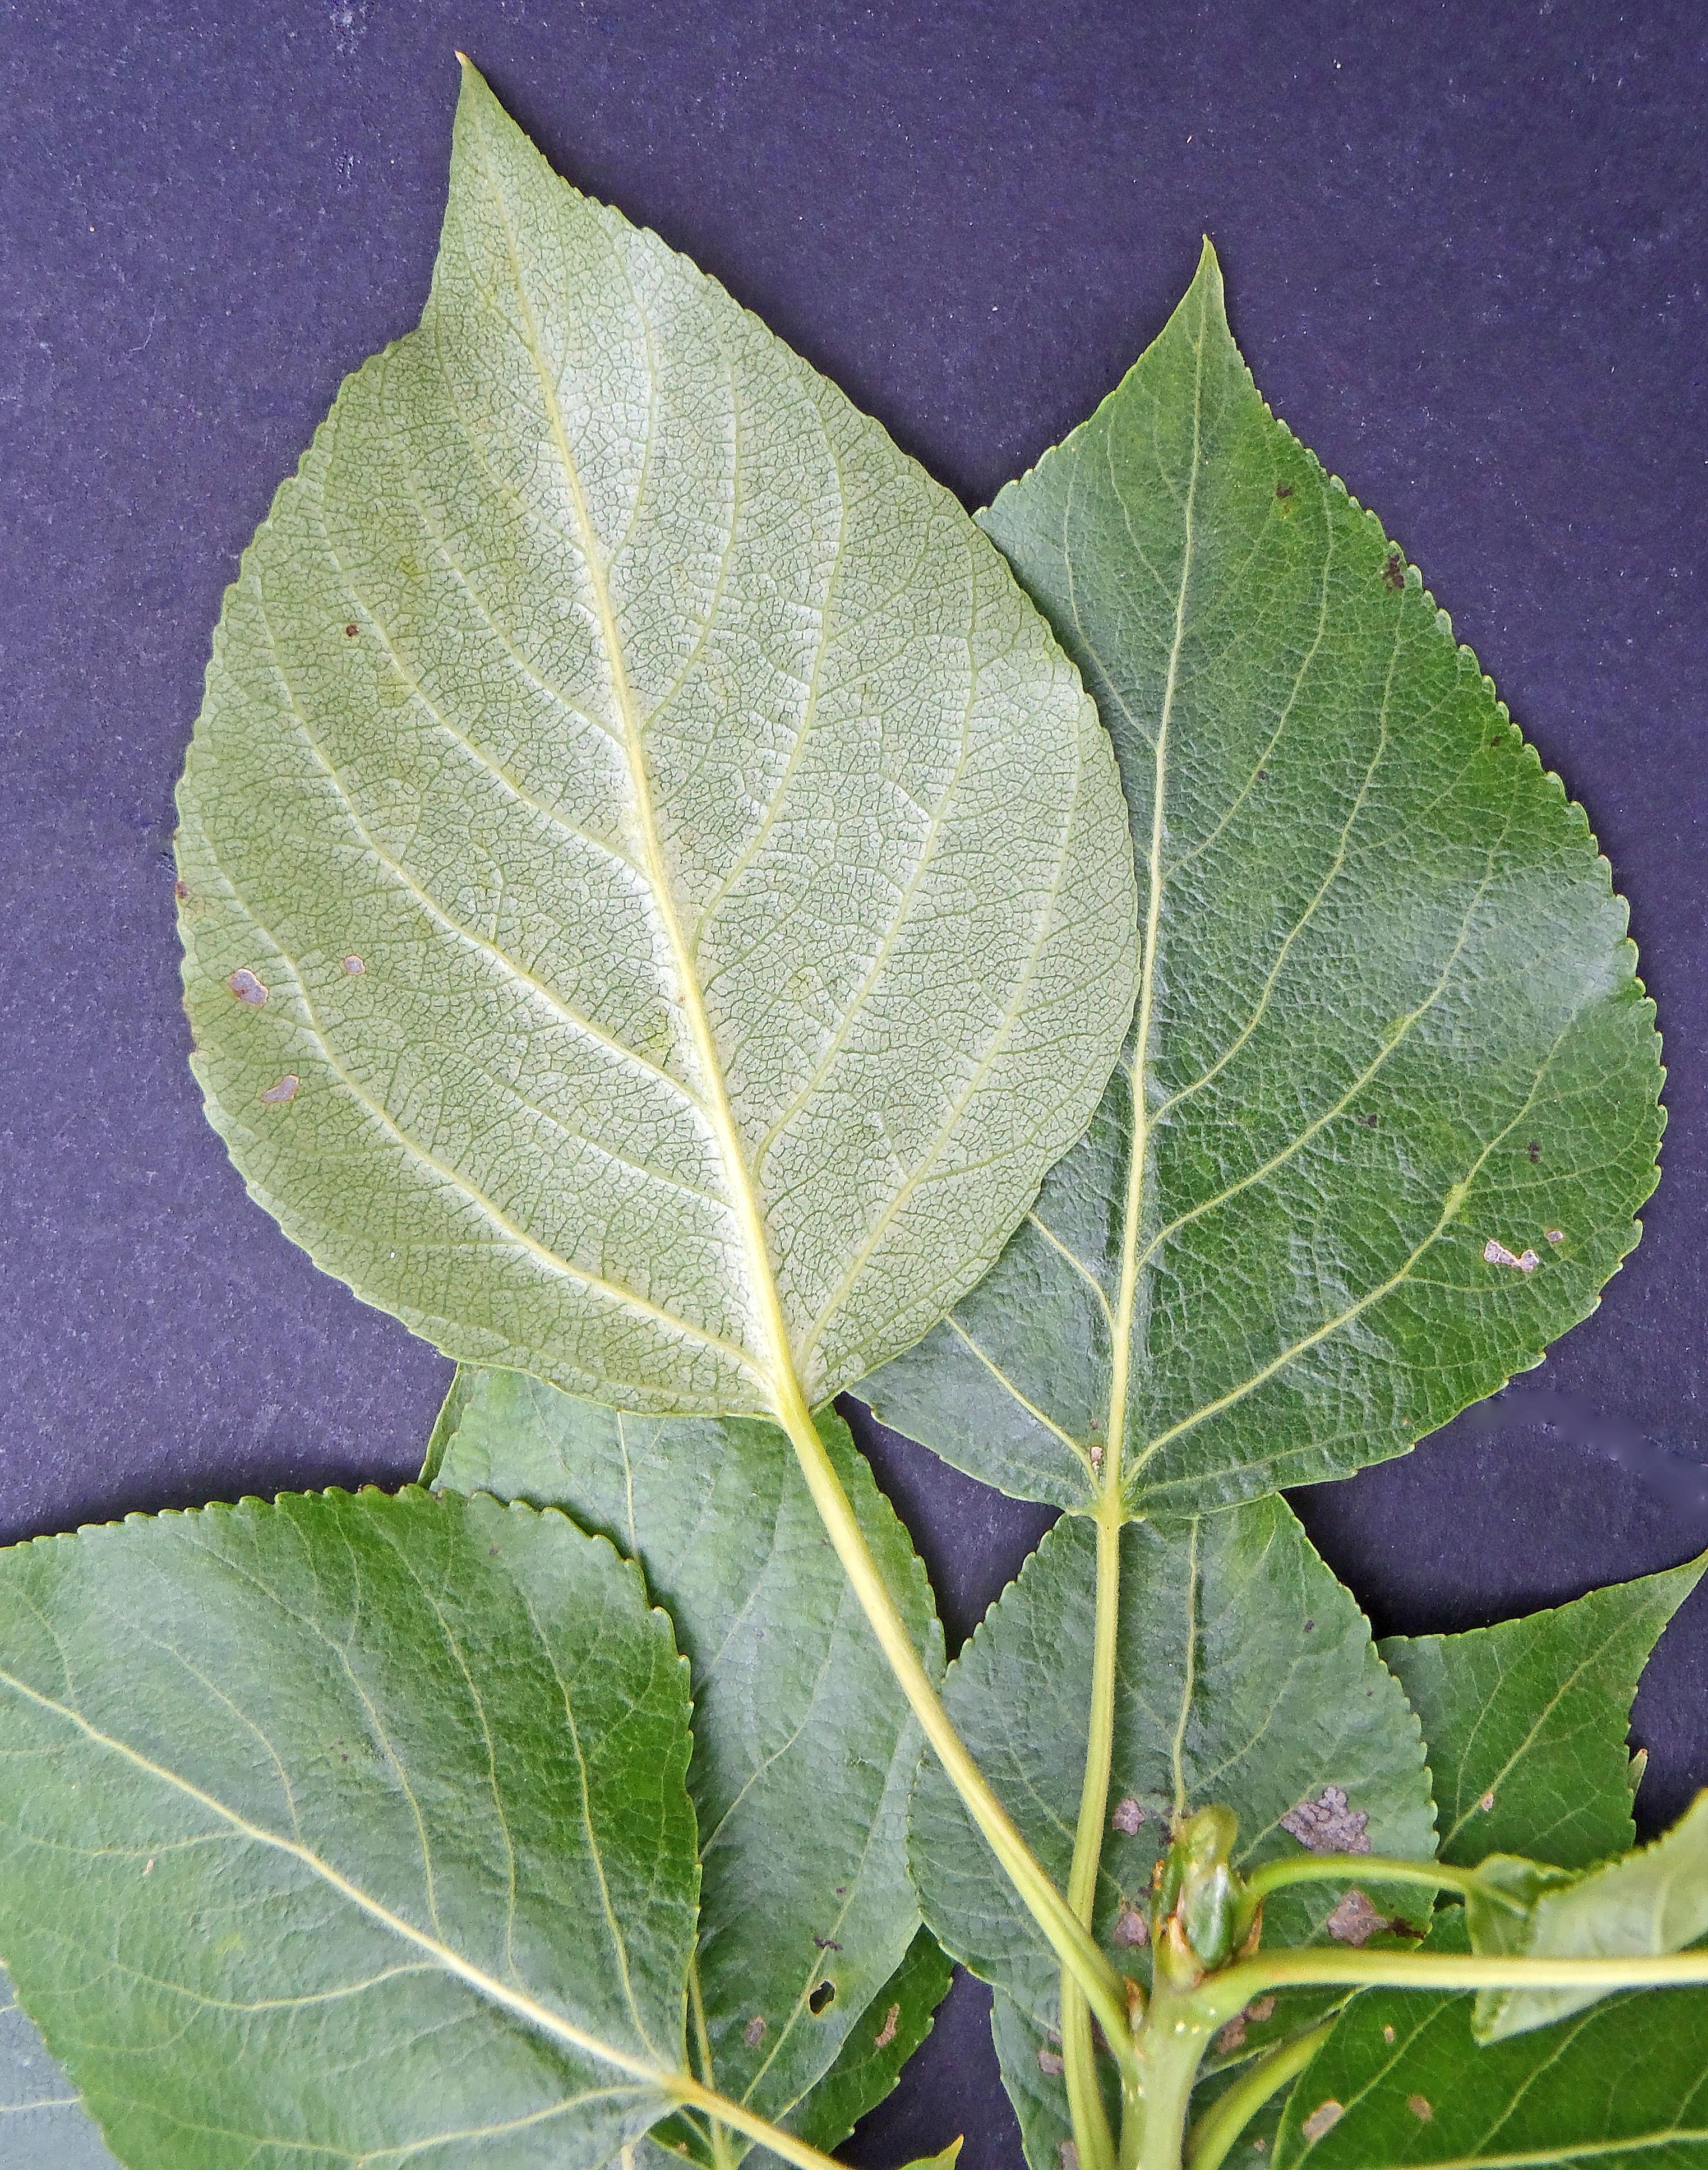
x=822 y=1998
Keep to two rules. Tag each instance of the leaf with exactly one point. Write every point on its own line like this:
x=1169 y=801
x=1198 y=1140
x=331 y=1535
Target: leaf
x=655 y=894
x=42 y=2116
x=804 y=1752
x=345 y=1826
x=1245 y=1678
x=1526 y=1722
x=1028 y=2051
x=893 y=2026
x=1653 y=1901
x=1397 y=1096
x=1619 y=2086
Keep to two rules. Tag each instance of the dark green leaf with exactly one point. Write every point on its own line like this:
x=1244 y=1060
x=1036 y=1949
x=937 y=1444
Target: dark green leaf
x=1653 y=1901
x=1246 y=1678
x=891 y=2029
x=1397 y=1090
x=346 y=1827
x=804 y=1752
x=1624 y=2085
x=1525 y=1721
x=655 y=896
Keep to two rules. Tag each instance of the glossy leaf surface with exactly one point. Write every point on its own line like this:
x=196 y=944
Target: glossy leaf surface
x=804 y=1752
x=1526 y=1722
x=1245 y=1678
x=1389 y=1106
x=296 y=1803
x=1653 y=1901
x=654 y=893
x=1623 y=2085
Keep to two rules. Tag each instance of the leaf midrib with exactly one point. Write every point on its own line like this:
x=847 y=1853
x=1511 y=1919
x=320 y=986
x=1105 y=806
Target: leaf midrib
x=1115 y=1431
x=774 y=1373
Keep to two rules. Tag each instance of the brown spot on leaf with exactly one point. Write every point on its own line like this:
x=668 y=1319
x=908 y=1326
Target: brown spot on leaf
x=246 y=987
x=886 y=2033
x=1534 y=1151
x=827 y=1944
x=1354 y=1921
x=754 y=2033
x=1284 y=489
x=822 y=1998
x=180 y=889
x=1394 y=572
x=1419 y=2107
x=1050 y=2061
x=1262 y=2009
x=1068 y=2156
x=1128 y=1816
x=276 y=1096
x=1231 y=2037
x=1131 y=1927
x=1486 y=1803
x=1327 y=1824
x=1322 y=2118
x=1496 y=1253
x=353 y=965
x=1369 y=1122
x=1387 y=2033
x=1555 y=1235
x=350 y=632
x=1096 y=1454
x=148 y=1866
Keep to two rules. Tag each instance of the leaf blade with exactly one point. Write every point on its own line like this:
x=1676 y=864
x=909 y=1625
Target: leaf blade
x=1392 y=1018
x=1526 y=1722
x=804 y=1752
x=509 y=822
x=169 y=1700
x=1245 y=1678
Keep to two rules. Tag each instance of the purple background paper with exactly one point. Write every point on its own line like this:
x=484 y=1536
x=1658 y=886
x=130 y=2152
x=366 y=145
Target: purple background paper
x=1467 y=250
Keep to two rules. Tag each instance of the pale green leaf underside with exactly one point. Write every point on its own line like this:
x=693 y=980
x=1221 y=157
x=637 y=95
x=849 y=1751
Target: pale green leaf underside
x=1526 y=1722
x=1651 y=1902
x=1621 y=2087
x=296 y=1803
x=1245 y=1676
x=804 y=1752
x=1389 y=1015
x=688 y=881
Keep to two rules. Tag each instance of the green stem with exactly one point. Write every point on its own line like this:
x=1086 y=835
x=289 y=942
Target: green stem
x=1233 y=1989
x=1067 y=1935
x=1091 y=2134
x=1228 y=2116
x=1358 y=1868
x=1171 y=2046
